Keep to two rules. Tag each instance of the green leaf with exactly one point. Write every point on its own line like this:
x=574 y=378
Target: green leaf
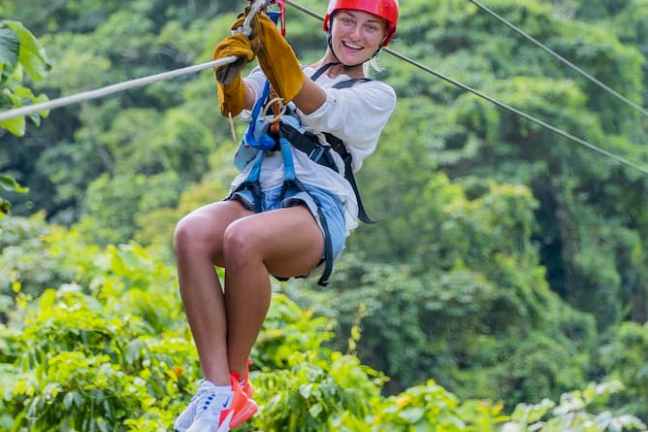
x=9 y=46
x=68 y=400
x=412 y=415
x=23 y=92
x=532 y=413
x=103 y=425
x=15 y=125
x=5 y=207
x=10 y=184
x=315 y=410
x=41 y=114
x=31 y=55
x=306 y=390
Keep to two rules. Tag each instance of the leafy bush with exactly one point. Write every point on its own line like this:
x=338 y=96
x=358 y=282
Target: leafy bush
x=20 y=54
x=625 y=357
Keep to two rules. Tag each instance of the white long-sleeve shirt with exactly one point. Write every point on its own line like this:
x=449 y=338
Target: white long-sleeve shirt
x=356 y=115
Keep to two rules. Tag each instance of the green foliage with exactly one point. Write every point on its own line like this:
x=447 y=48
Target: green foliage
x=430 y=407
x=624 y=358
x=112 y=204
x=287 y=328
x=109 y=350
x=316 y=392
x=109 y=346
x=26 y=268
x=506 y=258
x=472 y=308
x=9 y=184
x=91 y=362
x=574 y=413
x=20 y=54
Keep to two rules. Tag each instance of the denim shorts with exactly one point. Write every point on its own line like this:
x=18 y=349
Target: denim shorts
x=330 y=206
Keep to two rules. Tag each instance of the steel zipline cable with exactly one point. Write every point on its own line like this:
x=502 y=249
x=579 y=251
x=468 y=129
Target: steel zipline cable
x=491 y=99
x=127 y=85
x=115 y=88
x=560 y=58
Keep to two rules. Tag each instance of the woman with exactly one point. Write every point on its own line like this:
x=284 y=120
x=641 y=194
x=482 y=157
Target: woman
x=280 y=231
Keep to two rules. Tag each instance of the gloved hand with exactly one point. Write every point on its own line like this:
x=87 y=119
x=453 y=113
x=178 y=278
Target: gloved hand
x=230 y=87
x=276 y=58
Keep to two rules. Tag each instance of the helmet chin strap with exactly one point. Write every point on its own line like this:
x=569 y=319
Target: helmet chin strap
x=346 y=66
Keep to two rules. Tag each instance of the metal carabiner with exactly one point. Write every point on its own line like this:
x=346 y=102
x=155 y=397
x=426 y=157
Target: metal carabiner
x=278 y=112
x=246 y=29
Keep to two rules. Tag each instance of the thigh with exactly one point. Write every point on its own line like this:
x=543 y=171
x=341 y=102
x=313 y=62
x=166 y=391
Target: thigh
x=288 y=240
x=206 y=226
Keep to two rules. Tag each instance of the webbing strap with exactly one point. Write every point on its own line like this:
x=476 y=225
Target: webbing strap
x=252 y=182
x=328 y=247
x=309 y=144
x=318 y=73
x=338 y=146
x=250 y=138
x=289 y=163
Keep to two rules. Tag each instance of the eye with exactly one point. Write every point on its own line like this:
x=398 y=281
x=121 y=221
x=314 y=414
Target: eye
x=372 y=28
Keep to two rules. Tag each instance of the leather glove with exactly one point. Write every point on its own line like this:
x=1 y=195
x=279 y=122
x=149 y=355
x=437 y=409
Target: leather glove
x=276 y=58
x=229 y=85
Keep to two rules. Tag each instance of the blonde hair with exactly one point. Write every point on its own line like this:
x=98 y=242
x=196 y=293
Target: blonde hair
x=371 y=65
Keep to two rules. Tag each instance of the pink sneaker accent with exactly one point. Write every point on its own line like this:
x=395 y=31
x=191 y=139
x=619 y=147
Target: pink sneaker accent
x=243 y=407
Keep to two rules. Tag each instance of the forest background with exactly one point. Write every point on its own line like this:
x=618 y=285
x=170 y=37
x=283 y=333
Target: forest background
x=509 y=268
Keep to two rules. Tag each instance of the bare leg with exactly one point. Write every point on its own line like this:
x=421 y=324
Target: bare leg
x=285 y=242
x=198 y=244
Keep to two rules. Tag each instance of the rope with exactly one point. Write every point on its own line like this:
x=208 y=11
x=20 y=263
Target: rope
x=491 y=99
x=111 y=89
x=560 y=58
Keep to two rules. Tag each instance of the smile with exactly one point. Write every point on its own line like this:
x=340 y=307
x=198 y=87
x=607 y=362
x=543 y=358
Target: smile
x=352 y=47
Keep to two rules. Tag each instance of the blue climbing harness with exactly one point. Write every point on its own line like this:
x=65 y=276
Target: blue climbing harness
x=259 y=141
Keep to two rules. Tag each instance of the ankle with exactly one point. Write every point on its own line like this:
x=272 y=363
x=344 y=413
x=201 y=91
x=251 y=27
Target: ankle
x=240 y=370
x=218 y=380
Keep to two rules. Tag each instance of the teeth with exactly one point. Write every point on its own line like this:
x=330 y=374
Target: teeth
x=351 y=46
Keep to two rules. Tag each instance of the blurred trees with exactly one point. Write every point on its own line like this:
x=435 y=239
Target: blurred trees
x=508 y=262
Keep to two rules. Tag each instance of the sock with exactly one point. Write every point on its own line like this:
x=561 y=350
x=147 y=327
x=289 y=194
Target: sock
x=223 y=389
x=226 y=389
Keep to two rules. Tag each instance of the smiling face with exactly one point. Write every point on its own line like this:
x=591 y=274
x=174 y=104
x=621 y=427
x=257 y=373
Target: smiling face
x=356 y=36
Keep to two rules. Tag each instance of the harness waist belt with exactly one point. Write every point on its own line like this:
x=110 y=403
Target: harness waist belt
x=309 y=144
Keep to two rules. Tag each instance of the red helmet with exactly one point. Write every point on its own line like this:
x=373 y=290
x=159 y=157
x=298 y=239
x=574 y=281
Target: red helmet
x=385 y=9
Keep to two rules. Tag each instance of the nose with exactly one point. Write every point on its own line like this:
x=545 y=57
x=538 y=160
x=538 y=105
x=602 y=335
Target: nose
x=356 y=34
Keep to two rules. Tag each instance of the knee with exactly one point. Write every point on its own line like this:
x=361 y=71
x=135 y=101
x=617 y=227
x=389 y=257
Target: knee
x=240 y=245
x=189 y=236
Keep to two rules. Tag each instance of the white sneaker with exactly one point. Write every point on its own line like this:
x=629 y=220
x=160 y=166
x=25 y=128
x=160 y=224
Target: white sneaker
x=184 y=420
x=207 y=412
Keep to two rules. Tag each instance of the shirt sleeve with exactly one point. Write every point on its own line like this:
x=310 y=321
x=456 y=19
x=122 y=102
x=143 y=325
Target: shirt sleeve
x=256 y=80
x=357 y=115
